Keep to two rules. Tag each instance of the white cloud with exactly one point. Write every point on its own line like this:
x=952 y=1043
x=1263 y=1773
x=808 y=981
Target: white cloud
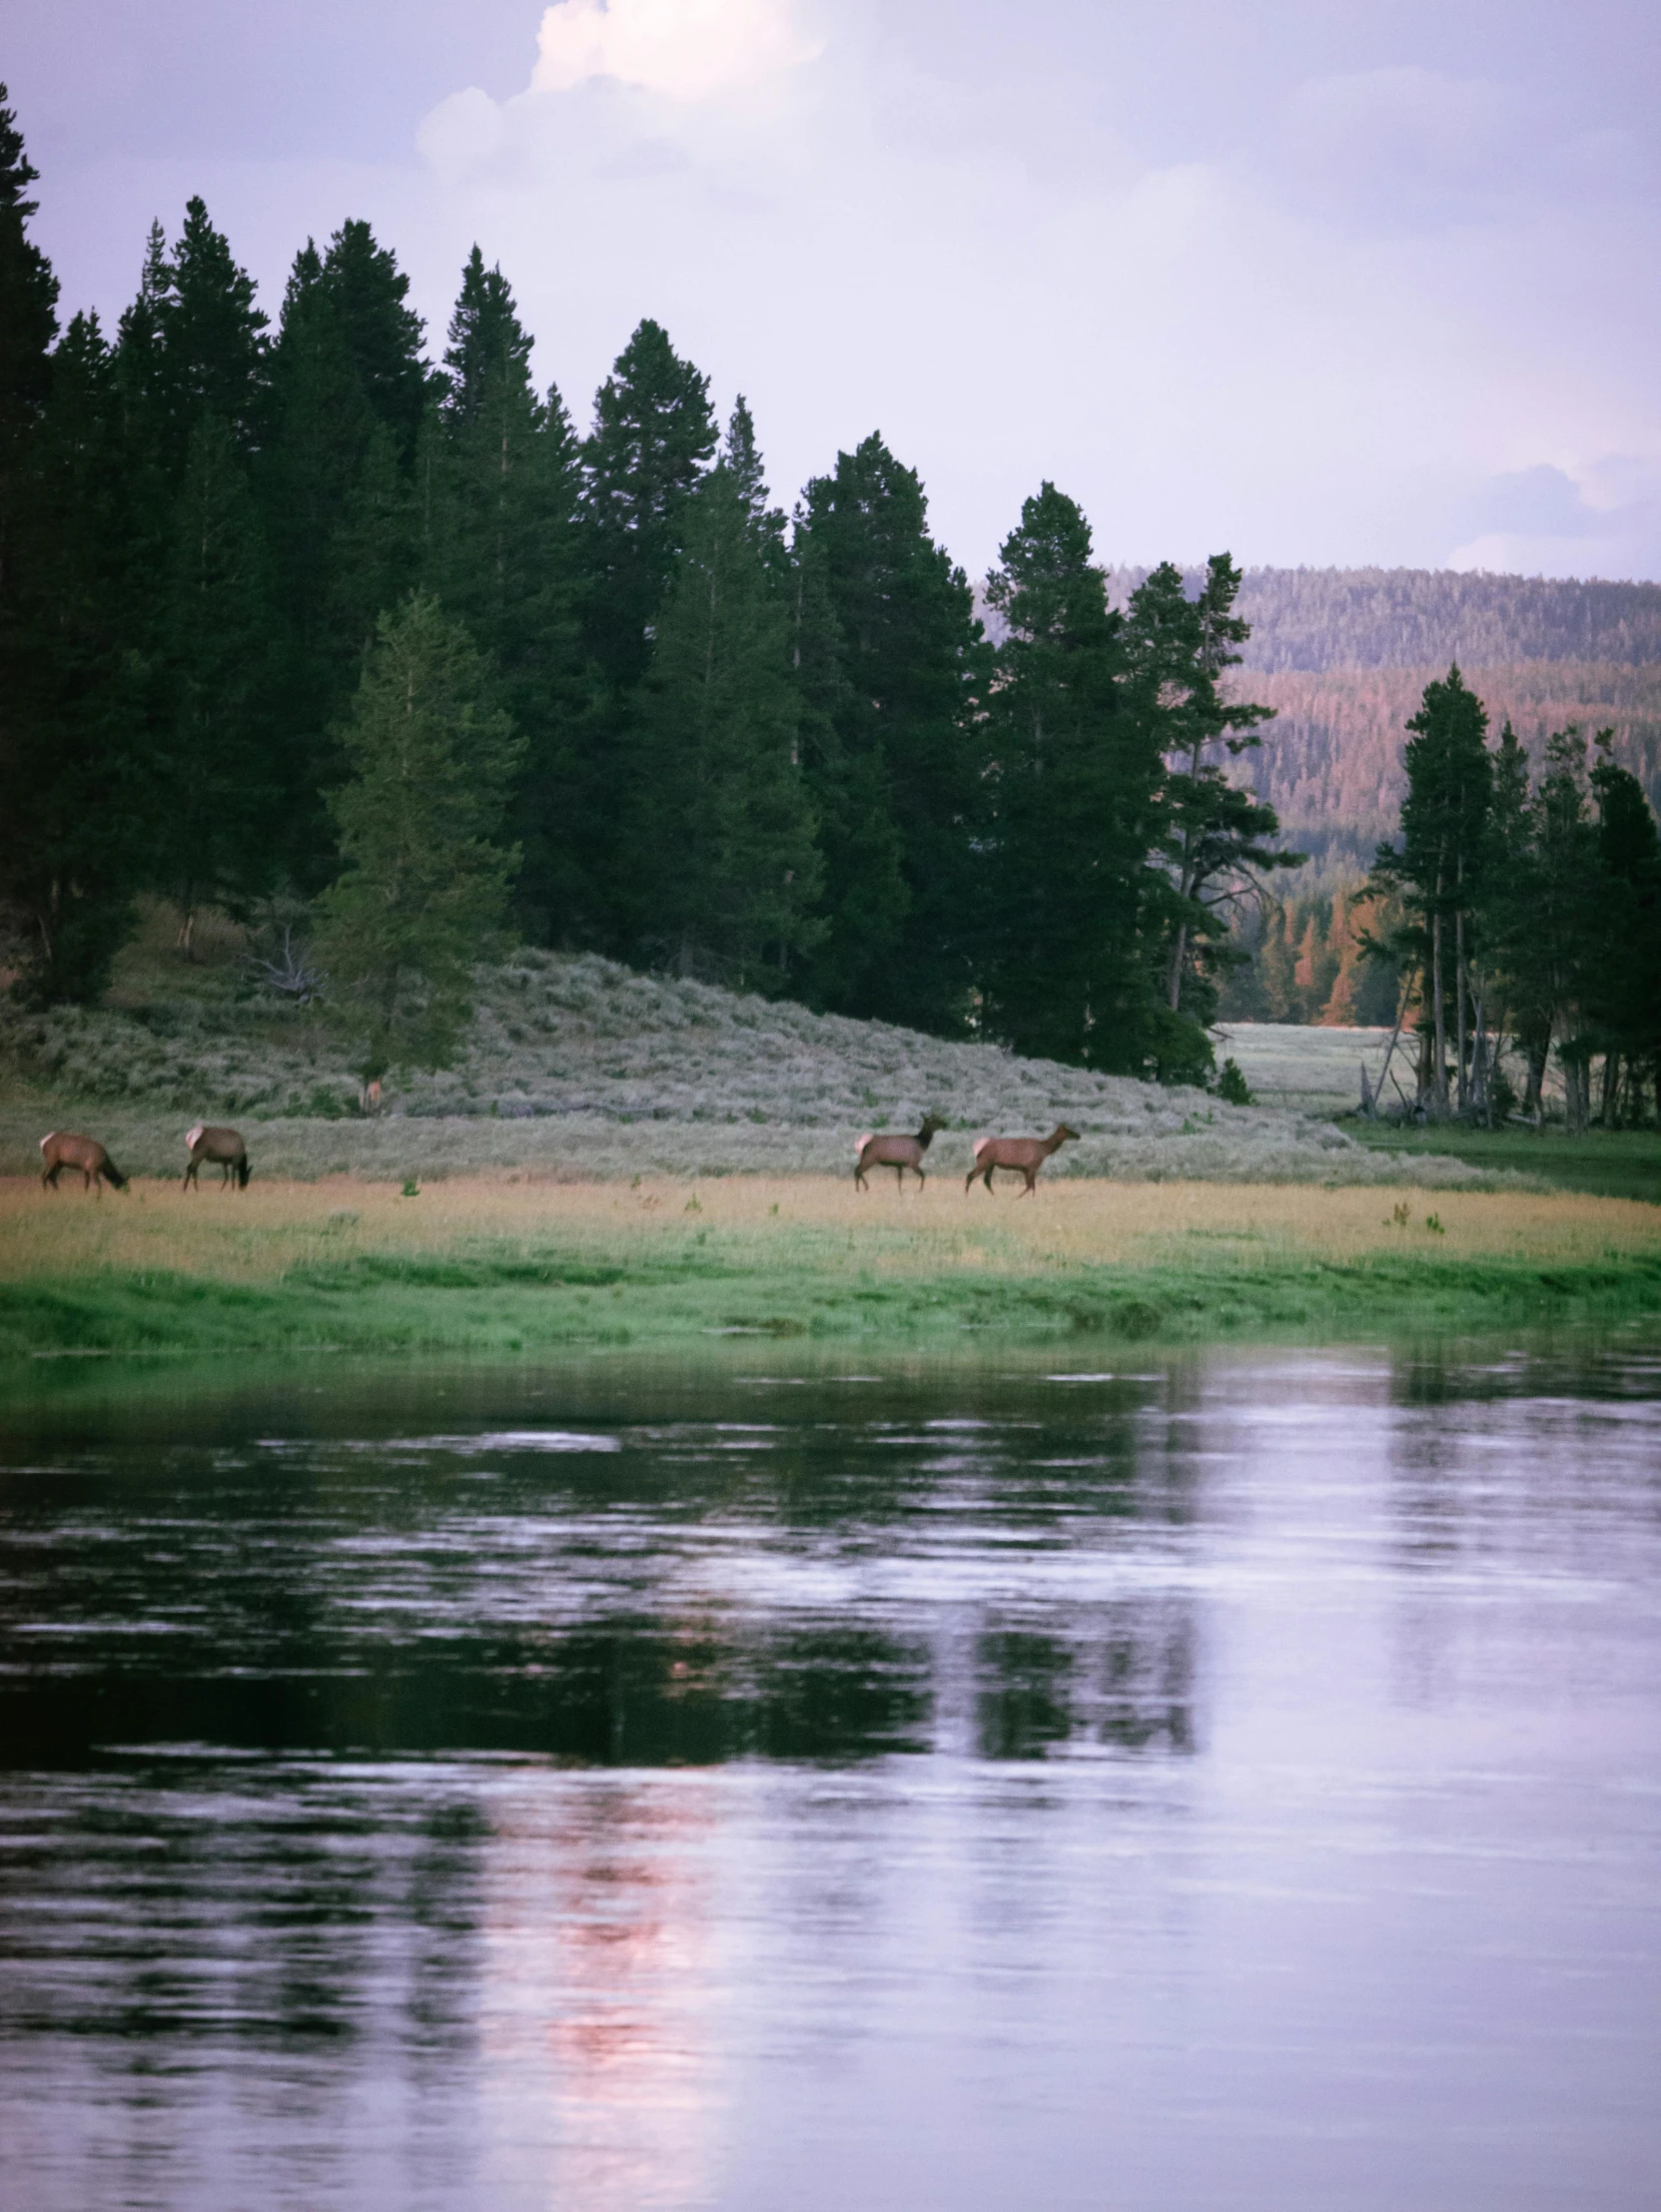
x=683 y=49
x=1318 y=349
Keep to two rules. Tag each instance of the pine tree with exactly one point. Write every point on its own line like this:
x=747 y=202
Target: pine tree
x=863 y=900
x=28 y=326
x=214 y=843
x=423 y=887
x=1626 y=991
x=1566 y=904
x=1074 y=781
x=1506 y=917
x=503 y=555
x=654 y=433
x=193 y=343
x=78 y=795
x=907 y=729
x=1439 y=864
x=1215 y=831
x=72 y=821
x=349 y=389
x=724 y=837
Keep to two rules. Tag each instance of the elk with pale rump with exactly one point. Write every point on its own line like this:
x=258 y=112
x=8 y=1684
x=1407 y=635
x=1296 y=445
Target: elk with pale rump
x=897 y=1152
x=222 y=1146
x=1022 y=1155
x=62 y=1149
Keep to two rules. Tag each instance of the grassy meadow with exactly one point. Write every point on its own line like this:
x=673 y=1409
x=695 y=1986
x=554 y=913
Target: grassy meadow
x=507 y=1264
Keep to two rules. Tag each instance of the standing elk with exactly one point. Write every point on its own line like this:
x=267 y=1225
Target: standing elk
x=223 y=1145
x=62 y=1149
x=897 y=1152
x=1023 y=1156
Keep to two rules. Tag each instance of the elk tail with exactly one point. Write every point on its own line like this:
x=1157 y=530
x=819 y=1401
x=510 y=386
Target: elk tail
x=860 y=1144
x=191 y=1136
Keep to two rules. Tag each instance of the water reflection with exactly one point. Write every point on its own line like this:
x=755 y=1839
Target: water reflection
x=626 y=1788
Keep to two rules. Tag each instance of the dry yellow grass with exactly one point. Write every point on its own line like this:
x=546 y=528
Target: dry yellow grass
x=260 y=1233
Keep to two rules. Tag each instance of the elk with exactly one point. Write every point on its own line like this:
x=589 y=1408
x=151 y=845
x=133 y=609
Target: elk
x=897 y=1152
x=1023 y=1156
x=62 y=1149
x=223 y=1145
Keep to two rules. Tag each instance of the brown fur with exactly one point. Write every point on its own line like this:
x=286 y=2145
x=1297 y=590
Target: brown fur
x=897 y=1152
x=223 y=1145
x=1023 y=1156
x=62 y=1149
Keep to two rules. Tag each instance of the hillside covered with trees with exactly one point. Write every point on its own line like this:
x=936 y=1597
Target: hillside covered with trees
x=386 y=657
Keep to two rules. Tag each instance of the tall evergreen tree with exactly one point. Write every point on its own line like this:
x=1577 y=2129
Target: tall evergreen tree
x=1440 y=864
x=28 y=326
x=863 y=900
x=917 y=668
x=78 y=794
x=723 y=827
x=1505 y=919
x=654 y=433
x=1567 y=905
x=193 y=343
x=214 y=843
x=502 y=554
x=1625 y=998
x=1216 y=830
x=1076 y=778
x=422 y=891
x=337 y=489
x=72 y=827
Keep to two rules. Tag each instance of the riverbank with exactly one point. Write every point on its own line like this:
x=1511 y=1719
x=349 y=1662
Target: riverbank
x=481 y=1265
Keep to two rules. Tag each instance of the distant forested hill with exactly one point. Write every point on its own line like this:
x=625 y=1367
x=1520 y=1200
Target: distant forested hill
x=1322 y=618
x=1345 y=654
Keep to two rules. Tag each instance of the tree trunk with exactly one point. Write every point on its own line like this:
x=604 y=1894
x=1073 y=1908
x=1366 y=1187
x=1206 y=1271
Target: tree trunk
x=1178 y=957
x=1440 y=1079
x=1481 y=1081
x=1461 y=986
x=1538 y=1050
x=1610 y=1099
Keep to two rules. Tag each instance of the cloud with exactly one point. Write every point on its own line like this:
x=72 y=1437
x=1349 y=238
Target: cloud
x=1354 y=345
x=1543 y=522
x=1405 y=148
x=683 y=49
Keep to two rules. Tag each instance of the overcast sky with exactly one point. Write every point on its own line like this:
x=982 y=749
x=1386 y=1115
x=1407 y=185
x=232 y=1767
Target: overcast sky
x=1315 y=281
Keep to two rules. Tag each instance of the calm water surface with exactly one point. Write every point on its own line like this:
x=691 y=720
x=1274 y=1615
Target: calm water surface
x=1226 y=1783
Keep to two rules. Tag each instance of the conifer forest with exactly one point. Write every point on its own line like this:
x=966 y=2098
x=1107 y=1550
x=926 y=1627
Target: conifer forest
x=397 y=662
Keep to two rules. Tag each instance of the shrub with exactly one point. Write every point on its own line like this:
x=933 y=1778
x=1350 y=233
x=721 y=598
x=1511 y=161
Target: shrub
x=1231 y=1086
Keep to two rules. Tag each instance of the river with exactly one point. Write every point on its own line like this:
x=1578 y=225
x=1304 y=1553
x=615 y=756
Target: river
x=1224 y=1782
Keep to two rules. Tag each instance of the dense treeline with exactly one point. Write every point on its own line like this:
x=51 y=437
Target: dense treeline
x=1531 y=907
x=1320 y=618
x=294 y=620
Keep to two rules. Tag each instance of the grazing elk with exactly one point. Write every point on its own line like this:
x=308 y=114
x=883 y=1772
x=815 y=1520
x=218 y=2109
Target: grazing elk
x=897 y=1152
x=1023 y=1156
x=61 y=1149
x=223 y=1145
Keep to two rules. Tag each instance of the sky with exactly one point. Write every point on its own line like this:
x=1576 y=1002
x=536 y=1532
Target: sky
x=1322 y=282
